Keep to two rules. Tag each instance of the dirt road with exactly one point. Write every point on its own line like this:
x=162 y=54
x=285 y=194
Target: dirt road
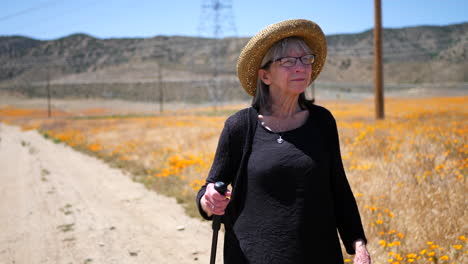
x=61 y=206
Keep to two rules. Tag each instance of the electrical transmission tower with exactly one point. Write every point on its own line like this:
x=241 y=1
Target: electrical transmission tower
x=217 y=22
x=217 y=19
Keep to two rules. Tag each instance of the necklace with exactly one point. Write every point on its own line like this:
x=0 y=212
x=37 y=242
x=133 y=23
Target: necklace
x=278 y=127
x=280 y=139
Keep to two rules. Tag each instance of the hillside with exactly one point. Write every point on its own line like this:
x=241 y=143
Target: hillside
x=425 y=54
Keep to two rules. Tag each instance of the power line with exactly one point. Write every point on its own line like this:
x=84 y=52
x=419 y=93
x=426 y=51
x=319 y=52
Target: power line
x=87 y=4
x=29 y=10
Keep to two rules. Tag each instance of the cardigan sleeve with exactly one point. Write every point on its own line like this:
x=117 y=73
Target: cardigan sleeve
x=221 y=169
x=347 y=215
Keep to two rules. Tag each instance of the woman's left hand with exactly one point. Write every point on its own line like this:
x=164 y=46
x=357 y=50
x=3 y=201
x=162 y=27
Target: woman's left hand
x=362 y=255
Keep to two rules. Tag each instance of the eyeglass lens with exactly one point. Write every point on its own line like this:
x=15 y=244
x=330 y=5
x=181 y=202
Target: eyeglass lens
x=291 y=61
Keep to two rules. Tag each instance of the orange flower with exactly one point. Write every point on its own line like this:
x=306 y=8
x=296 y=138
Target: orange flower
x=458 y=247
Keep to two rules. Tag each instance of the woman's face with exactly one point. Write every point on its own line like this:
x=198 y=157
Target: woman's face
x=287 y=80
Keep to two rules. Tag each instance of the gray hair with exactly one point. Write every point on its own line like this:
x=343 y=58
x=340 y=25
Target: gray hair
x=262 y=99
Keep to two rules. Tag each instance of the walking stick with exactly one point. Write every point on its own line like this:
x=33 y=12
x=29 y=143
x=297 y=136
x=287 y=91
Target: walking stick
x=221 y=188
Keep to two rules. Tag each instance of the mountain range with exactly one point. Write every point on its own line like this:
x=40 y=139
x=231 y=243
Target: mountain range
x=423 y=54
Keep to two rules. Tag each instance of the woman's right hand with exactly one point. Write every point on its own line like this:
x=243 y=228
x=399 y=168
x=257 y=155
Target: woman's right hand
x=213 y=202
x=362 y=255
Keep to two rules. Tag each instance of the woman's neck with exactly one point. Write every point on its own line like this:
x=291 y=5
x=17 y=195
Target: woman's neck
x=284 y=106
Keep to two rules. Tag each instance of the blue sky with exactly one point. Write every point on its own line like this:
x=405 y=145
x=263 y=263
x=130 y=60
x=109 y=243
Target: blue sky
x=51 y=19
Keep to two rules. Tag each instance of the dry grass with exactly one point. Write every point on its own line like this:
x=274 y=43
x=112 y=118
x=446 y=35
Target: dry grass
x=408 y=172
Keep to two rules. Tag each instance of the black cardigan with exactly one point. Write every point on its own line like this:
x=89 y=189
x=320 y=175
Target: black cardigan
x=231 y=160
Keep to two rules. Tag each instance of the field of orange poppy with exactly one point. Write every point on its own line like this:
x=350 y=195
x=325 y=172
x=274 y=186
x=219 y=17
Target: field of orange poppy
x=408 y=172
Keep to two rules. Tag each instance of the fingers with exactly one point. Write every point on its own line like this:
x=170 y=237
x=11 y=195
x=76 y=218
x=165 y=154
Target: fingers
x=362 y=257
x=215 y=207
x=215 y=195
x=214 y=202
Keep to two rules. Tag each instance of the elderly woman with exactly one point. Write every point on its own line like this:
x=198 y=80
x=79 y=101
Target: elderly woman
x=282 y=157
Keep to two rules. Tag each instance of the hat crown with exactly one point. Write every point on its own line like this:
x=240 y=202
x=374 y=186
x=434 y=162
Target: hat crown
x=252 y=54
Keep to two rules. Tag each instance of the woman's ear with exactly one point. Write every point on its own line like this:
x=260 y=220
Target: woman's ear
x=264 y=75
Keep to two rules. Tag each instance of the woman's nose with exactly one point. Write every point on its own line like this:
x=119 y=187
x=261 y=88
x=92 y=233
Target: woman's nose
x=300 y=67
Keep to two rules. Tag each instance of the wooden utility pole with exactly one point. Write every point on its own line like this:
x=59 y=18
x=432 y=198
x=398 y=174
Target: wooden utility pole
x=378 y=67
x=49 y=112
x=161 y=88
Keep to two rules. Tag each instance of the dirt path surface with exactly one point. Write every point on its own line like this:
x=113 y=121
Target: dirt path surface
x=61 y=206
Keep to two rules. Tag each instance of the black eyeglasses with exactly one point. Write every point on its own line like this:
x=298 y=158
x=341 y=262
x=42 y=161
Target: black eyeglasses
x=291 y=61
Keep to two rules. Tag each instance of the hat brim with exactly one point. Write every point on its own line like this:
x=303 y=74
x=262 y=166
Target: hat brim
x=251 y=56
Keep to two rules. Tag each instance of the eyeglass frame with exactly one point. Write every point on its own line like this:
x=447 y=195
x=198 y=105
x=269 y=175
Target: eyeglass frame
x=295 y=62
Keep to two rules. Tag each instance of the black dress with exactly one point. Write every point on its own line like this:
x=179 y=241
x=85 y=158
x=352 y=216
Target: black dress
x=294 y=197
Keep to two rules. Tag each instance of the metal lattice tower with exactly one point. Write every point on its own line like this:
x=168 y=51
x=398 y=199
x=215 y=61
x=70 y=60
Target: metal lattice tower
x=217 y=23
x=217 y=19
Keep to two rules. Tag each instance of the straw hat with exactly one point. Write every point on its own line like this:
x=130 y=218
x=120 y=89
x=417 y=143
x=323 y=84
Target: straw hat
x=251 y=56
